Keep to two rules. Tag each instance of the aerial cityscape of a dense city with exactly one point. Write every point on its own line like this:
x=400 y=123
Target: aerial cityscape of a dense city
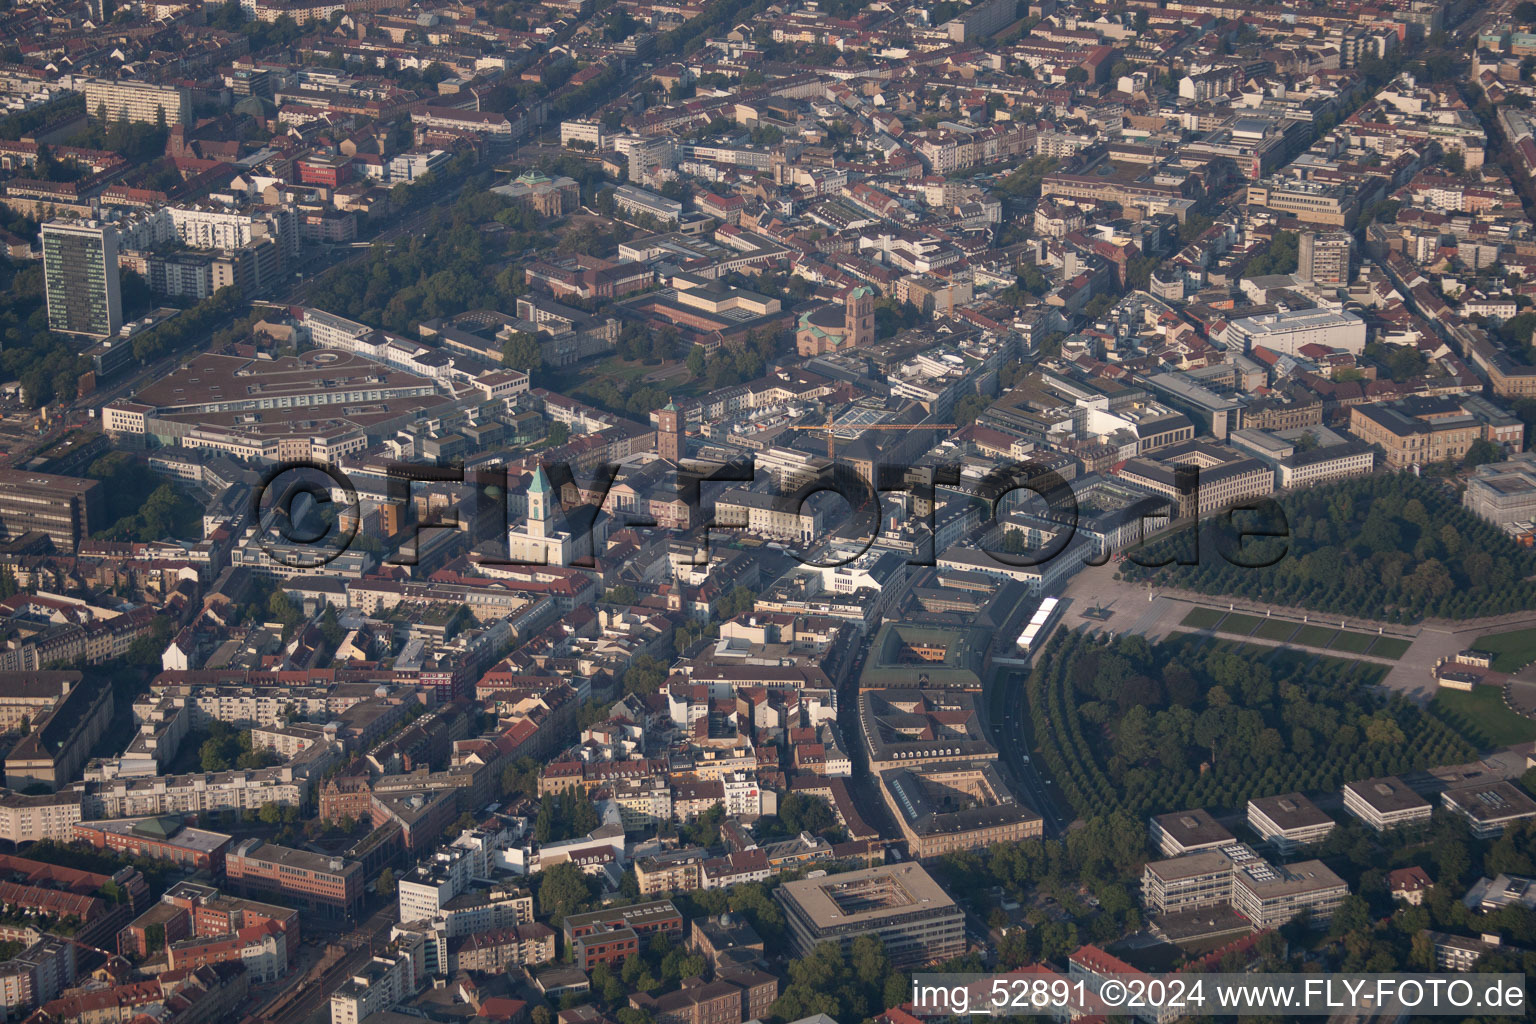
x=767 y=511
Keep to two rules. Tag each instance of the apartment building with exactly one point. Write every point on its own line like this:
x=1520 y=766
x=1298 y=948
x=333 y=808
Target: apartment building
x=209 y=225
x=29 y=696
x=191 y=910
x=237 y=699
x=441 y=885
x=27 y=818
x=55 y=749
x=901 y=904
x=380 y=984
x=288 y=741
x=1461 y=952
x=182 y=274
x=262 y=949
x=81 y=277
x=37 y=974
x=1288 y=821
x=484 y=911
x=495 y=951
x=585 y=776
x=1386 y=803
x=672 y=871
x=642 y=803
x=1322 y=257
x=739 y=792
x=1092 y=967
x=140 y=102
x=642 y=153
x=241 y=789
x=735 y=868
x=90 y=642
x=428 y=887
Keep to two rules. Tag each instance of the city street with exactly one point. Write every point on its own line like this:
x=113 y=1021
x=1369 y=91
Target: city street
x=1011 y=737
x=314 y=996
x=1004 y=711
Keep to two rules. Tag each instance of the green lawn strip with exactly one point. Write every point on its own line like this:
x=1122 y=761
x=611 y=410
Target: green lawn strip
x=1202 y=618
x=1314 y=636
x=1482 y=716
x=1354 y=643
x=1393 y=647
x=1239 y=624
x=1275 y=629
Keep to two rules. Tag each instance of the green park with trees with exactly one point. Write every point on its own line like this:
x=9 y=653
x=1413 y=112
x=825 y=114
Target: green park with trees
x=1191 y=722
x=1393 y=548
x=1130 y=729
x=451 y=265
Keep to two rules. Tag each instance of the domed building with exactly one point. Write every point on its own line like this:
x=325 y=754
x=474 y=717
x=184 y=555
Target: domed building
x=833 y=328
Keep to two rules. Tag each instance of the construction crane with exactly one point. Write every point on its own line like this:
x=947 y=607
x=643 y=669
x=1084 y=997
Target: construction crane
x=831 y=428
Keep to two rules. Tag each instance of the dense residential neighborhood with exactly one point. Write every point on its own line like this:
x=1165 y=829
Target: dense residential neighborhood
x=607 y=512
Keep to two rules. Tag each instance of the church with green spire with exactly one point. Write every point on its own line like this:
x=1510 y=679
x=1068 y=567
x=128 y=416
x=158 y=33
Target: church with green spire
x=542 y=538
